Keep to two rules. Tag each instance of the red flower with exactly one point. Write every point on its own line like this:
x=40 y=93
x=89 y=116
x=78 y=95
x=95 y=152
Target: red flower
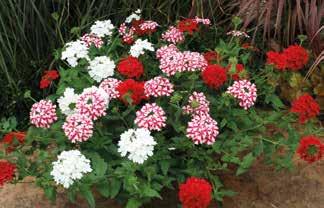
x=131 y=89
x=212 y=57
x=130 y=67
x=214 y=76
x=238 y=73
x=8 y=139
x=188 y=25
x=306 y=107
x=47 y=78
x=310 y=148
x=136 y=26
x=195 y=193
x=277 y=59
x=7 y=171
x=297 y=57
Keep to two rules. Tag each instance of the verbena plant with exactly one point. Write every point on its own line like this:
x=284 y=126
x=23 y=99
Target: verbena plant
x=125 y=151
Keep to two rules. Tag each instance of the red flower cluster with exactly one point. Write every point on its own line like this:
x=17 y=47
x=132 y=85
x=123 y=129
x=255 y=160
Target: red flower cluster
x=7 y=171
x=136 y=27
x=8 y=139
x=195 y=193
x=310 y=148
x=188 y=25
x=238 y=72
x=212 y=57
x=214 y=76
x=130 y=67
x=306 y=107
x=47 y=78
x=293 y=58
x=130 y=89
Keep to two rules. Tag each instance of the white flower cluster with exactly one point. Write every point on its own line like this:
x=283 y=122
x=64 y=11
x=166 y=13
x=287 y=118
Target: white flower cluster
x=70 y=166
x=67 y=101
x=102 y=28
x=136 y=16
x=74 y=51
x=138 y=143
x=139 y=46
x=101 y=67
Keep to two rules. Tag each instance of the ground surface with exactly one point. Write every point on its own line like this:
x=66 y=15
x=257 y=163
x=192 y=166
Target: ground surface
x=261 y=187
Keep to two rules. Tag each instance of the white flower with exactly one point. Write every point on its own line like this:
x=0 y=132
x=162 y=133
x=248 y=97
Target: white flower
x=138 y=143
x=74 y=51
x=70 y=166
x=101 y=67
x=102 y=28
x=136 y=16
x=139 y=46
x=67 y=101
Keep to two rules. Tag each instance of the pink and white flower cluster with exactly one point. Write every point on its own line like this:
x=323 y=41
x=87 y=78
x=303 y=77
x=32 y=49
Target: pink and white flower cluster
x=245 y=92
x=173 y=35
x=158 y=86
x=43 y=114
x=151 y=117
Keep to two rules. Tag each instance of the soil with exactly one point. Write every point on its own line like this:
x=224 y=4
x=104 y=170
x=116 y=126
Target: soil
x=261 y=187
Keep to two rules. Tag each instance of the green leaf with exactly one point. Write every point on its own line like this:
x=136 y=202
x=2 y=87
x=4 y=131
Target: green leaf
x=114 y=187
x=133 y=203
x=149 y=192
x=165 y=165
x=245 y=164
x=50 y=193
x=99 y=165
x=104 y=188
x=87 y=194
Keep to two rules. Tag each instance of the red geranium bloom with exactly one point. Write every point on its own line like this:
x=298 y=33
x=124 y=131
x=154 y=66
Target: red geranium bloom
x=277 y=59
x=7 y=171
x=130 y=67
x=306 y=107
x=188 y=25
x=8 y=139
x=48 y=77
x=310 y=148
x=239 y=69
x=131 y=89
x=214 y=76
x=195 y=193
x=297 y=57
x=212 y=57
x=136 y=26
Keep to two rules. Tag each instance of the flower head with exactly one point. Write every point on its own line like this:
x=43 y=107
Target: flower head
x=214 y=76
x=101 y=67
x=237 y=33
x=92 y=102
x=137 y=143
x=212 y=57
x=173 y=35
x=245 y=92
x=7 y=172
x=306 y=107
x=92 y=39
x=47 y=78
x=198 y=104
x=42 y=114
x=277 y=59
x=188 y=25
x=151 y=117
x=102 y=28
x=78 y=127
x=9 y=140
x=148 y=27
x=68 y=101
x=297 y=57
x=202 y=129
x=203 y=21
x=158 y=86
x=194 y=61
x=74 y=51
x=70 y=166
x=139 y=47
x=109 y=85
x=195 y=193
x=131 y=91
x=310 y=148
x=130 y=67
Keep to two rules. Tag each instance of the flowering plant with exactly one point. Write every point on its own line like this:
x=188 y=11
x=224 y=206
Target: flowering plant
x=140 y=108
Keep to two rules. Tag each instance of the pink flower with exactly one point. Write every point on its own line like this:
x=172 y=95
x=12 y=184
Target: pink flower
x=42 y=114
x=202 y=129
x=149 y=26
x=90 y=39
x=198 y=104
x=245 y=92
x=126 y=33
x=164 y=50
x=203 y=21
x=158 y=86
x=109 y=86
x=151 y=117
x=172 y=62
x=78 y=127
x=173 y=35
x=92 y=102
x=194 y=61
